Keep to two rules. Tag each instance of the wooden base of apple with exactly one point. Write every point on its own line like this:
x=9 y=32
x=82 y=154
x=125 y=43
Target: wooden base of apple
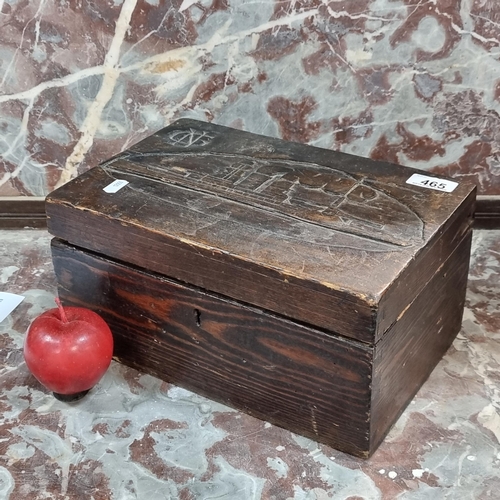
x=70 y=398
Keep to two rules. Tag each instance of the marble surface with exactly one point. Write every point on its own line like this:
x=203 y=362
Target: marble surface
x=136 y=437
x=409 y=81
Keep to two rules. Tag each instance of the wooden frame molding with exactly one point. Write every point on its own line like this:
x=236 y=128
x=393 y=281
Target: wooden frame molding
x=17 y=212
x=487 y=214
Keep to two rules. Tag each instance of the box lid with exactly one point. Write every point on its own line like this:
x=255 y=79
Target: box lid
x=329 y=239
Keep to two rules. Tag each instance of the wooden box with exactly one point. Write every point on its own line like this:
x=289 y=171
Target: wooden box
x=313 y=289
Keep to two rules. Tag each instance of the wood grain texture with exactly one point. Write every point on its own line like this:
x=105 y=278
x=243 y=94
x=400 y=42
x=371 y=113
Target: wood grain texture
x=487 y=213
x=406 y=356
x=336 y=391
x=418 y=273
x=302 y=379
x=312 y=289
x=270 y=223
x=212 y=269
x=22 y=211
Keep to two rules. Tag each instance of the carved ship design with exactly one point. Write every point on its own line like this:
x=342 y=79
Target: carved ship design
x=305 y=191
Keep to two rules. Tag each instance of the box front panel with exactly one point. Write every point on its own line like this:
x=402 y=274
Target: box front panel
x=305 y=301
x=302 y=379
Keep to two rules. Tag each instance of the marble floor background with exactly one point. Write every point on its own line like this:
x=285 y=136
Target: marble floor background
x=136 y=437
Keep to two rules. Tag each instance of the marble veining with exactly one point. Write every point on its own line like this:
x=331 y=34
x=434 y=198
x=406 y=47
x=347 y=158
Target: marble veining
x=135 y=437
x=411 y=82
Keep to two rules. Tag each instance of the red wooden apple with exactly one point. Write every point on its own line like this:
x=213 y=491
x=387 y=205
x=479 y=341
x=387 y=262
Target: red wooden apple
x=68 y=350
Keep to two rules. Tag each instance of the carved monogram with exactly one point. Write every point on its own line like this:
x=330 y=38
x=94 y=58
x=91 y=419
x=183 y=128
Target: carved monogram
x=187 y=138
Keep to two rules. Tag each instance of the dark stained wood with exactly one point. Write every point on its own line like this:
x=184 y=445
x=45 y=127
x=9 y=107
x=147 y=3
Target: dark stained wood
x=293 y=376
x=22 y=211
x=223 y=273
x=270 y=223
x=487 y=214
x=406 y=356
x=339 y=392
x=25 y=211
x=312 y=289
x=422 y=268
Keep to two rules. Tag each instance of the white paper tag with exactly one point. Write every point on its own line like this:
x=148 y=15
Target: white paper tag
x=8 y=302
x=115 y=186
x=432 y=183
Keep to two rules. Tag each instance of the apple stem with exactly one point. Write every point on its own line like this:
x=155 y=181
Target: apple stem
x=64 y=318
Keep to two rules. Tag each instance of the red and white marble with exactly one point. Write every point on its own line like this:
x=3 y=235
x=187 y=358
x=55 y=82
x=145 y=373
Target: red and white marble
x=411 y=81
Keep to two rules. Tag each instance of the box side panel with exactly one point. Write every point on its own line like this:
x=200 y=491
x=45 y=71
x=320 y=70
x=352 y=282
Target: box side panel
x=408 y=353
x=301 y=379
x=422 y=268
x=306 y=301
